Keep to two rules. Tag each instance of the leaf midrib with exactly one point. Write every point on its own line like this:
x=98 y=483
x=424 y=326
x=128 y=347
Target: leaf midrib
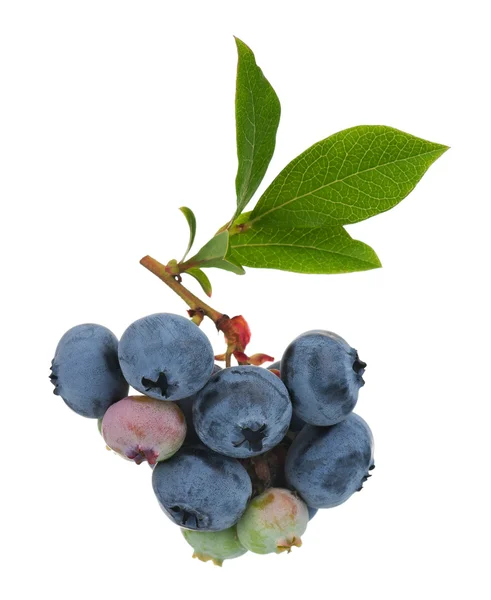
x=247 y=180
x=284 y=245
x=393 y=162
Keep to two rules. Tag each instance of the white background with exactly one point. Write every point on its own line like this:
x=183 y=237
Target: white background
x=114 y=114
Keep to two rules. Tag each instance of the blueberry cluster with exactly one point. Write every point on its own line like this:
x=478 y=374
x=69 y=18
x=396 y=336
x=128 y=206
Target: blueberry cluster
x=242 y=457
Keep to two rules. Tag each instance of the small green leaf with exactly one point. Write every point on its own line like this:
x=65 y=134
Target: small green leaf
x=227 y=264
x=214 y=254
x=241 y=219
x=257 y=115
x=215 y=249
x=346 y=178
x=202 y=279
x=317 y=250
x=191 y=219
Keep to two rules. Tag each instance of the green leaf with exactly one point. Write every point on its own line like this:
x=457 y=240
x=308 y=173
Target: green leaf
x=257 y=115
x=316 y=250
x=202 y=279
x=215 y=249
x=241 y=219
x=346 y=178
x=227 y=264
x=191 y=219
x=214 y=254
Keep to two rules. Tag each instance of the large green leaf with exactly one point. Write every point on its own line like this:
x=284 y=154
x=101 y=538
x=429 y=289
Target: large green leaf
x=317 y=250
x=257 y=114
x=348 y=177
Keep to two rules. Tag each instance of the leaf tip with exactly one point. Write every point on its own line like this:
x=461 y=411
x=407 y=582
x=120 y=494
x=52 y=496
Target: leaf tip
x=244 y=51
x=374 y=261
x=202 y=279
x=442 y=148
x=239 y=42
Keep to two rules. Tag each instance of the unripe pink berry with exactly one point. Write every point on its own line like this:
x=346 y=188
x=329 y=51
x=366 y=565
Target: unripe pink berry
x=141 y=428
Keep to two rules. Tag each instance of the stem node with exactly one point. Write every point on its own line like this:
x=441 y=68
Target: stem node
x=172 y=280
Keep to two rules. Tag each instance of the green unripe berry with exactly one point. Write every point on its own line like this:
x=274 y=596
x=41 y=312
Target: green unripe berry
x=273 y=522
x=216 y=546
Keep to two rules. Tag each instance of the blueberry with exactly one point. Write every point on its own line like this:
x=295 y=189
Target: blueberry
x=312 y=512
x=326 y=465
x=216 y=546
x=323 y=375
x=242 y=411
x=85 y=370
x=186 y=405
x=165 y=356
x=139 y=428
x=273 y=522
x=296 y=423
x=199 y=489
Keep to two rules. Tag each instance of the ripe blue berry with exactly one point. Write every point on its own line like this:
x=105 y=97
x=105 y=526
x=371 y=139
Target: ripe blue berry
x=242 y=411
x=165 y=356
x=323 y=375
x=326 y=465
x=312 y=512
x=186 y=405
x=85 y=370
x=199 y=489
x=296 y=423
